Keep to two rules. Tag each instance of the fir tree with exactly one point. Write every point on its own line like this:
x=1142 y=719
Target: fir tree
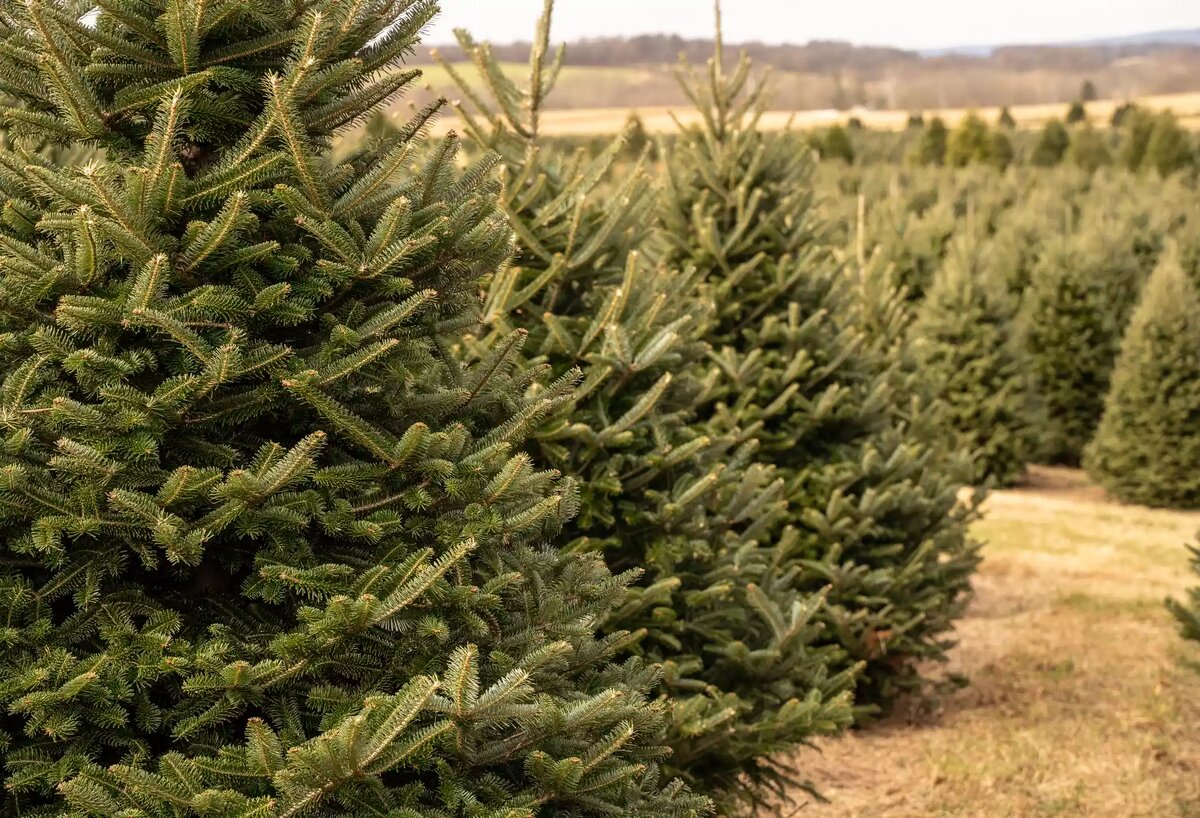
x=968 y=143
x=269 y=550
x=657 y=495
x=1073 y=317
x=1169 y=148
x=964 y=341
x=931 y=148
x=1052 y=145
x=1121 y=113
x=1148 y=443
x=875 y=523
x=1000 y=153
x=835 y=144
x=1139 y=127
x=1089 y=149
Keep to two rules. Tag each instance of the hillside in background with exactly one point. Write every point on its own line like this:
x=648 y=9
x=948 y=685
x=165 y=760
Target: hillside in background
x=629 y=72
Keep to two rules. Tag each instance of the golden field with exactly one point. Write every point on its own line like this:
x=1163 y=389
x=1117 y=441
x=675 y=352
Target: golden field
x=662 y=120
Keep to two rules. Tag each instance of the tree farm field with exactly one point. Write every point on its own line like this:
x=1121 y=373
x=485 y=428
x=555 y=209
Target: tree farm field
x=604 y=118
x=1080 y=694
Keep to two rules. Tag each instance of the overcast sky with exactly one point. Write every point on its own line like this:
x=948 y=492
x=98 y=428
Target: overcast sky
x=908 y=23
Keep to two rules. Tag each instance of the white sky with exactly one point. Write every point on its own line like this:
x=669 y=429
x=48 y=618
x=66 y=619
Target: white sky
x=907 y=23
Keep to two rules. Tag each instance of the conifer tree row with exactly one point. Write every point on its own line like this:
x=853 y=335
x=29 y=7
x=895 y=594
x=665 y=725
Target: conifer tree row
x=965 y=343
x=1148 y=442
x=270 y=547
x=874 y=521
x=660 y=497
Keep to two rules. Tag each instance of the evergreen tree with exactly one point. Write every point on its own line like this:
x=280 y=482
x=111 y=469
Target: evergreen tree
x=1187 y=612
x=1139 y=127
x=1052 y=145
x=931 y=148
x=1073 y=317
x=1122 y=113
x=968 y=143
x=1088 y=92
x=965 y=343
x=1000 y=153
x=1077 y=113
x=1169 y=148
x=1148 y=443
x=1089 y=149
x=268 y=550
x=657 y=495
x=836 y=144
x=1006 y=119
x=875 y=523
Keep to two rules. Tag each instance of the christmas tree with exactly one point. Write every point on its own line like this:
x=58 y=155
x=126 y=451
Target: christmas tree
x=964 y=340
x=1072 y=320
x=271 y=548
x=658 y=496
x=1148 y=443
x=1052 y=145
x=875 y=521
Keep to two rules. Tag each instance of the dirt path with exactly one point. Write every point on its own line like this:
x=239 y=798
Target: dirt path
x=1080 y=702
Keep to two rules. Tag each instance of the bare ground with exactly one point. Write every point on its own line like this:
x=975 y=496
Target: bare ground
x=1081 y=701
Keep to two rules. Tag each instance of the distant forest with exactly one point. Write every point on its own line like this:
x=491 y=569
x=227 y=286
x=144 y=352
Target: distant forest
x=831 y=74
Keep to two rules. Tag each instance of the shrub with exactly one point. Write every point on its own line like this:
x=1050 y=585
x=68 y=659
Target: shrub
x=1148 y=442
x=1077 y=113
x=272 y=546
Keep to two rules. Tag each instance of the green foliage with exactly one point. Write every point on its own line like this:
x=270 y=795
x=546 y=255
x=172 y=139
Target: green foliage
x=1139 y=127
x=1052 y=145
x=1089 y=149
x=1000 y=153
x=1088 y=92
x=931 y=148
x=1077 y=113
x=271 y=545
x=1073 y=317
x=874 y=520
x=1169 y=148
x=969 y=142
x=659 y=497
x=1122 y=113
x=835 y=144
x=1147 y=446
x=1005 y=120
x=916 y=119
x=964 y=341
x=1187 y=611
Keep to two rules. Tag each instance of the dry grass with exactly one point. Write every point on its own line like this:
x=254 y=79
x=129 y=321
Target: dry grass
x=592 y=121
x=1080 y=702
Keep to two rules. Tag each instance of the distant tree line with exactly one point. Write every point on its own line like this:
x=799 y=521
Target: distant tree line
x=830 y=56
